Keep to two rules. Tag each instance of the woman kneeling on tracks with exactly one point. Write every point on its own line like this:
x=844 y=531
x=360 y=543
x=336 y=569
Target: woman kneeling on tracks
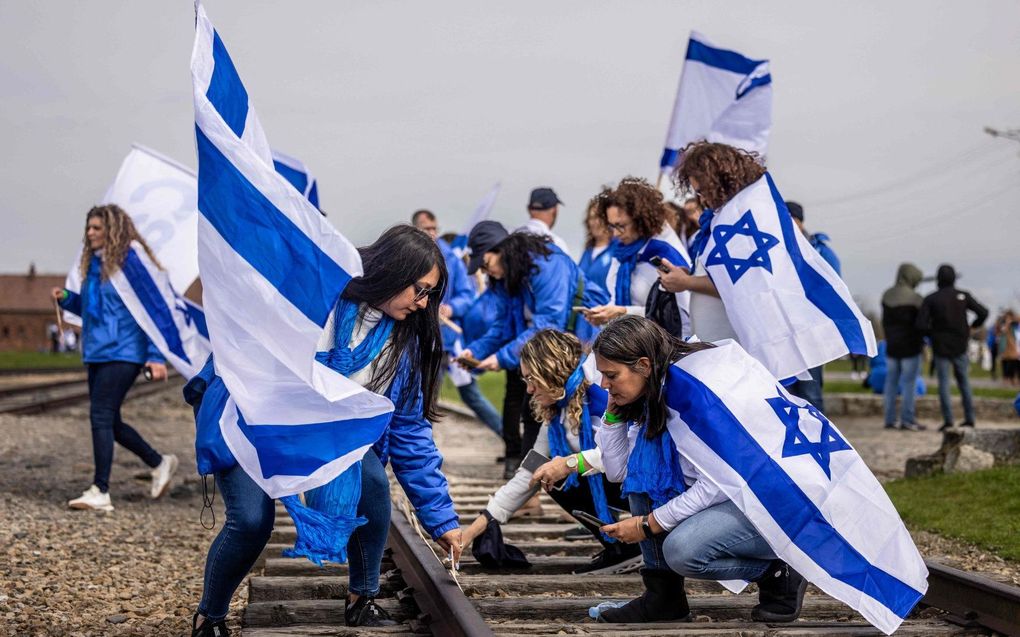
x=685 y=524
x=561 y=400
x=384 y=335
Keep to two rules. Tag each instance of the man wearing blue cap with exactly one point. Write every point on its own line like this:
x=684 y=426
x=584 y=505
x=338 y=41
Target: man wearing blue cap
x=543 y=206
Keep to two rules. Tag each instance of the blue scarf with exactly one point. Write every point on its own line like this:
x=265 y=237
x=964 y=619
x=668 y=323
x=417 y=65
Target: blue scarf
x=325 y=525
x=558 y=445
x=654 y=468
x=93 y=302
x=627 y=256
x=700 y=239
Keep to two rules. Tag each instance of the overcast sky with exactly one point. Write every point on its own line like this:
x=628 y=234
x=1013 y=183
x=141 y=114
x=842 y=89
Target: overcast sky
x=878 y=114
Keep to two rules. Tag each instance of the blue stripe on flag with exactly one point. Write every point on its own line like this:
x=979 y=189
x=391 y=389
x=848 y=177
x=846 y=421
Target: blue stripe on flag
x=720 y=58
x=756 y=82
x=816 y=288
x=313 y=194
x=226 y=92
x=670 y=157
x=196 y=314
x=265 y=237
x=712 y=421
x=296 y=178
x=153 y=302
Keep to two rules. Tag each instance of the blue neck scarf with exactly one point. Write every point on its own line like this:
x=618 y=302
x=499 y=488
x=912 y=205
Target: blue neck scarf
x=558 y=445
x=93 y=301
x=627 y=255
x=654 y=468
x=700 y=239
x=325 y=525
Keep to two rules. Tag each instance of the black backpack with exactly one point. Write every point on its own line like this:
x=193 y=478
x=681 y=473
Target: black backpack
x=661 y=307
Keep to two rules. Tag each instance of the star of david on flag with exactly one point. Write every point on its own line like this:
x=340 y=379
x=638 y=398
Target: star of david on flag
x=735 y=266
x=797 y=442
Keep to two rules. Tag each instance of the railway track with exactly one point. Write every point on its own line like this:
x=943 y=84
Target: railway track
x=37 y=397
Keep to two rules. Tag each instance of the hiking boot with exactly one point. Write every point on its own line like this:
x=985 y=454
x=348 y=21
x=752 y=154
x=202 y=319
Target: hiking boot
x=664 y=600
x=912 y=426
x=946 y=426
x=613 y=561
x=365 y=612
x=208 y=628
x=92 y=498
x=162 y=475
x=780 y=594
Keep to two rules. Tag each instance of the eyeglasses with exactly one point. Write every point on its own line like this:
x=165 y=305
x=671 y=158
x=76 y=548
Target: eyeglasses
x=618 y=227
x=420 y=292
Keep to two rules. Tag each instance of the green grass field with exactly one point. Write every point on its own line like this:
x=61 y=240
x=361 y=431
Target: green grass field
x=981 y=508
x=932 y=389
x=36 y=360
x=492 y=385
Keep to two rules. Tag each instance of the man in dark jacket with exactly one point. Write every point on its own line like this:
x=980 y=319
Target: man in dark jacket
x=943 y=317
x=903 y=342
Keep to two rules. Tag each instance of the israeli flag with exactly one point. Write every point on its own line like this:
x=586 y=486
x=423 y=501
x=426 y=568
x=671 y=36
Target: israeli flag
x=788 y=307
x=723 y=97
x=480 y=214
x=797 y=479
x=176 y=326
x=272 y=270
x=296 y=172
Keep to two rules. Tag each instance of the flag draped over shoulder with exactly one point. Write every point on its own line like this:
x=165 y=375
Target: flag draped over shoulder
x=296 y=172
x=272 y=269
x=788 y=307
x=723 y=97
x=797 y=479
x=481 y=213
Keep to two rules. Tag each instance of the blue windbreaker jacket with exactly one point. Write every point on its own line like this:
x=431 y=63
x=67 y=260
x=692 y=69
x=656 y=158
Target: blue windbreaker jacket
x=459 y=293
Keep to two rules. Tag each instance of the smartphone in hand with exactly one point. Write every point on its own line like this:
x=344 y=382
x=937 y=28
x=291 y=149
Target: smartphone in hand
x=584 y=516
x=469 y=361
x=533 y=461
x=656 y=262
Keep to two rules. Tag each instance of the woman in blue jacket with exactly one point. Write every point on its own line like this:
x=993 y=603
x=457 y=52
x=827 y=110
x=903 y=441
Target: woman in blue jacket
x=114 y=350
x=384 y=335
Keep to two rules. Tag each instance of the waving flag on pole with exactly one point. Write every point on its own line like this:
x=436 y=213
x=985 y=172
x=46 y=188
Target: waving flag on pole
x=272 y=270
x=797 y=479
x=481 y=213
x=789 y=308
x=295 y=171
x=723 y=97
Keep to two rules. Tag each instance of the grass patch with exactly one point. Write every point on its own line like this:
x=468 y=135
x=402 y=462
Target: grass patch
x=492 y=384
x=855 y=387
x=981 y=508
x=844 y=365
x=37 y=360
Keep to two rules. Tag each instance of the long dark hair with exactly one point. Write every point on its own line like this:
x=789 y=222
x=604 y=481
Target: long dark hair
x=397 y=259
x=518 y=252
x=628 y=339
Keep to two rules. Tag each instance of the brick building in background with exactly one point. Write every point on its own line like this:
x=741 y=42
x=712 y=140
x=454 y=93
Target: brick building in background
x=26 y=310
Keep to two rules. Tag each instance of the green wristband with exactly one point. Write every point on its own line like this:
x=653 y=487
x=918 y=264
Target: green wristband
x=580 y=464
x=612 y=418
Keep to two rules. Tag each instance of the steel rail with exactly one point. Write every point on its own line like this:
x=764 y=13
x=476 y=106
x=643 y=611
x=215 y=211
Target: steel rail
x=973 y=600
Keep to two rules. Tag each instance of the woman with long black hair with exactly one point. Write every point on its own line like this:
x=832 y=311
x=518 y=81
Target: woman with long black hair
x=383 y=334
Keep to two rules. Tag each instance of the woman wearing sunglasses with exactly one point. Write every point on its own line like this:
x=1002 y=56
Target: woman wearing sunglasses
x=383 y=334
x=565 y=403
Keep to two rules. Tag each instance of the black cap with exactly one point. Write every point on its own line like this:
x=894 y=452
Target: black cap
x=796 y=210
x=484 y=237
x=543 y=199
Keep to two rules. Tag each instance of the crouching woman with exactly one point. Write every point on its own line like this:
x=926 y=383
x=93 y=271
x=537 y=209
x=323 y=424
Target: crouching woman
x=685 y=524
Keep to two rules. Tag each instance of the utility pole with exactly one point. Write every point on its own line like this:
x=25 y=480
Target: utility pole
x=1013 y=134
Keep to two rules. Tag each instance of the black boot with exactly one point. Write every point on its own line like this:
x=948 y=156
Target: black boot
x=208 y=628
x=780 y=594
x=664 y=600
x=365 y=612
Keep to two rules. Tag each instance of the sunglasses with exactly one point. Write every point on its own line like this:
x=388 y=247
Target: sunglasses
x=420 y=292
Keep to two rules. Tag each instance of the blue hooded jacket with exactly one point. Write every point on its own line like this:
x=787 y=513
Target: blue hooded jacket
x=459 y=293
x=547 y=295
x=109 y=332
x=820 y=242
x=487 y=309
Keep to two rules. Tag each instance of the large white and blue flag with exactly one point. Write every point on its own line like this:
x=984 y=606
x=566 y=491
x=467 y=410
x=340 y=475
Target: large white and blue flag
x=797 y=479
x=297 y=173
x=788 y=307
x=272 y=270
x=480 y=214
x=723 y=97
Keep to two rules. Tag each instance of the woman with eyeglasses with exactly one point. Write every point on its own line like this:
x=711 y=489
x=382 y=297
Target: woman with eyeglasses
x=566 y=404
x=383 y=333
x=541 y=286
x=644 y=241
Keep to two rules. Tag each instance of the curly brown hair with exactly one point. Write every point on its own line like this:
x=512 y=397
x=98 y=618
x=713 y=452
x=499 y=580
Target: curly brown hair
x=551 y=357
x=640 y=200
x=120 y=232
x=720 y=170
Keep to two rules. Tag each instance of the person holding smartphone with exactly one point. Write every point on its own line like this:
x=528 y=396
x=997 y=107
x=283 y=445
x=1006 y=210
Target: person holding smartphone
x=114 y=350
x=565 y=403
x=634 y=213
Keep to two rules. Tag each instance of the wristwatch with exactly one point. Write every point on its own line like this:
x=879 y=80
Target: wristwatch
x=572 y=462
x=646 y=528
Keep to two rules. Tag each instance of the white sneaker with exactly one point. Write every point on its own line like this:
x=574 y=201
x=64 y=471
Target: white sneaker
x=94 y=499
x=161 y=476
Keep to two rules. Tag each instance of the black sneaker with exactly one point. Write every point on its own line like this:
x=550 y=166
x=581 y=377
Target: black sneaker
x=365 y=612
x=890 y=425
x=967 y=423
x=625 y=559
x=209 y=629
x=946 y=426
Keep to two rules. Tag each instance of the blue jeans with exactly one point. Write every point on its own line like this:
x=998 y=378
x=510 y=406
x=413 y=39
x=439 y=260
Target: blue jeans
x=651 y=549
x=250 y=514
x=108 y=385
x=718 y=543
x=473 y=398
x=810 y=390
x=900 y=378
x=961 y=369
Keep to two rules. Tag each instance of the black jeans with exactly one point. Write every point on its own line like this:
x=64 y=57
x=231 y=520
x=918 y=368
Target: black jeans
x=579 y=498
x=108 y=384
x=516 y=410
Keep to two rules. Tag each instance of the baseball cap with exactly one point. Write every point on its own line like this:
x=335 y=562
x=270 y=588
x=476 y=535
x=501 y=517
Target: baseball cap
x=485 y=236
x=542 y=199
x=796 y=210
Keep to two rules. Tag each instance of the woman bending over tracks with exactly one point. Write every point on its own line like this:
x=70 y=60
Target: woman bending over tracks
x=565 y=403
x=385 y=330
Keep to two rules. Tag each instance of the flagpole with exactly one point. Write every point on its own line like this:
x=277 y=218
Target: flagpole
x=450 y=324
x=60 y=319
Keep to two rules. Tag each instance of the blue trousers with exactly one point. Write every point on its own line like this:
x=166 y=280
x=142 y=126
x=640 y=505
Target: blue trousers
x=810 y=390
x=900 y=378
x=250 y=515
x=961 y=370
x=108 y=385
x=472 y=396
